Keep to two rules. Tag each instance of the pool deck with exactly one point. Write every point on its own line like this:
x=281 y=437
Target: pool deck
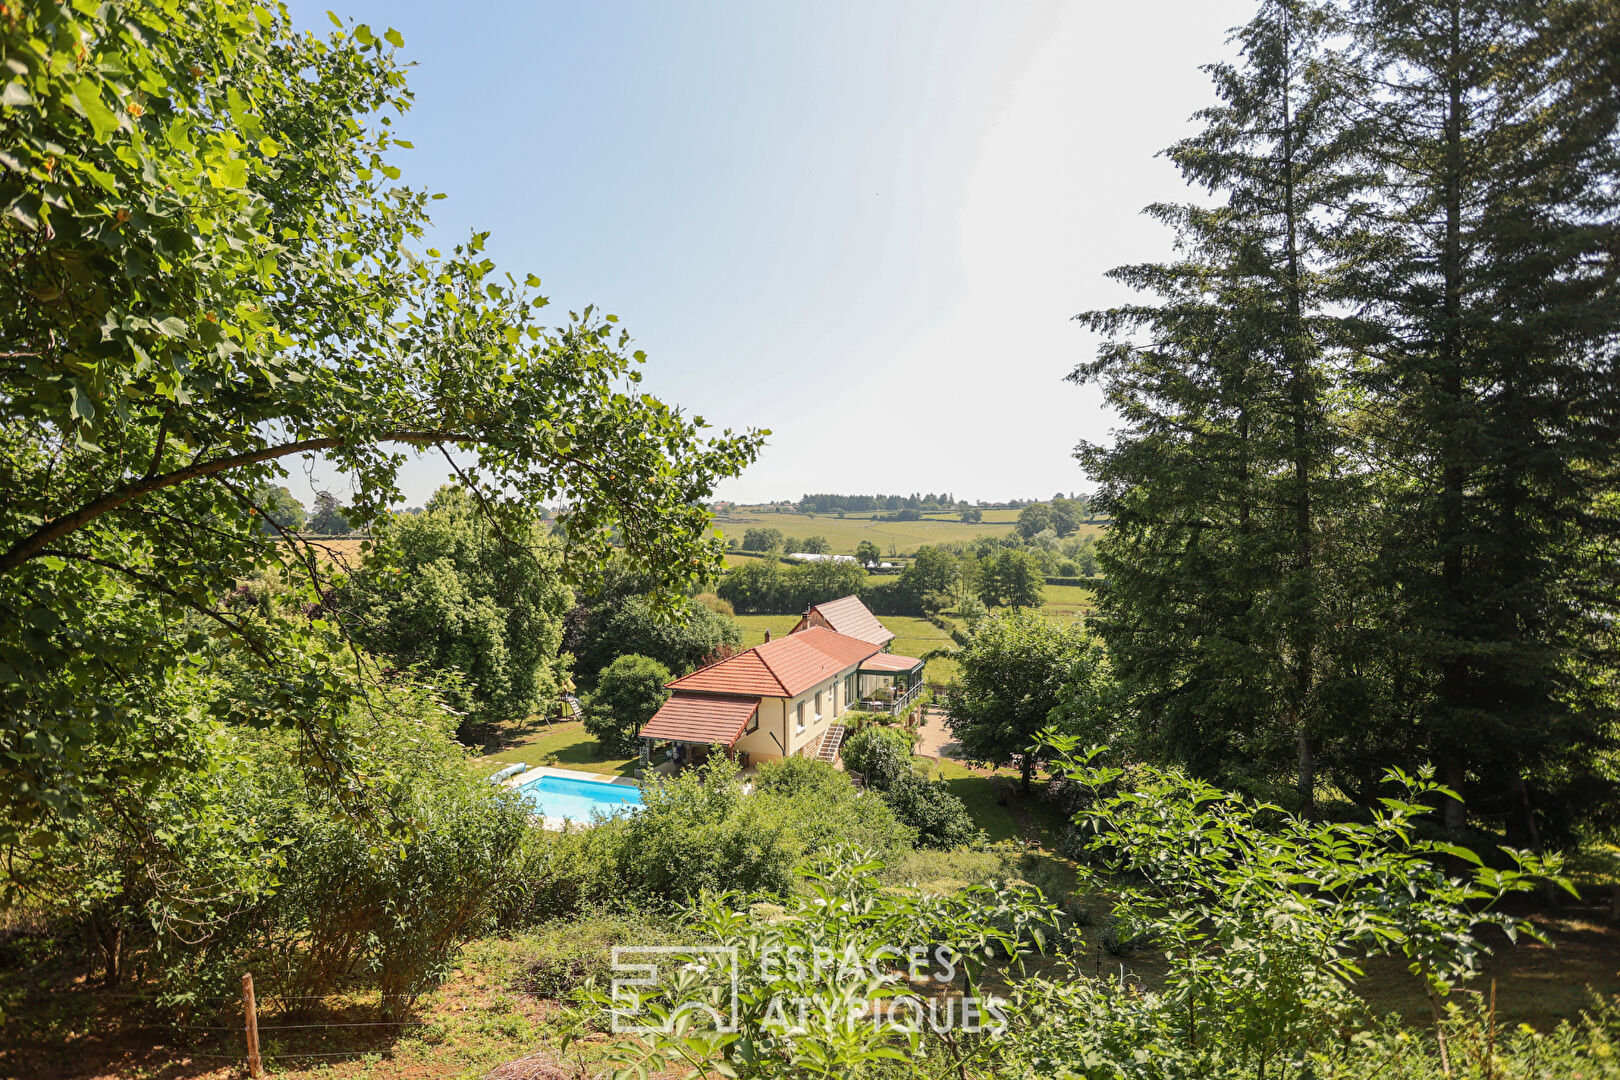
x=556 y=824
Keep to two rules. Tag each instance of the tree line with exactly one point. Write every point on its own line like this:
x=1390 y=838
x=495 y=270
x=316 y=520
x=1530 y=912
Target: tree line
x=827 y=504
x=1363 y=501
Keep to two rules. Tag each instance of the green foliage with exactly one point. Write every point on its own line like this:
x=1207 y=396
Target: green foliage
x=1014 y=671
x=931 y=577
x=1033 y=519
x=841 y=909
x=762 y=540
x=1370 y=415
x=328 y=519
x=879 y=753
x=394 y=915
x=769 y=587
x=698 y=831
x=281 y=509
x=682 y=639
x=207 y=272
x=1011 y=578
x=1264 y=916
x=452 y=592
x=814 y=545
x=566 y=954
x=629 y=691
x=868 y=553
x=244 y=862
x=940 y=818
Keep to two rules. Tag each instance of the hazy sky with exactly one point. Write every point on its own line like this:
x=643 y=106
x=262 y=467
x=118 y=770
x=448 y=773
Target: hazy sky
x=862 y=225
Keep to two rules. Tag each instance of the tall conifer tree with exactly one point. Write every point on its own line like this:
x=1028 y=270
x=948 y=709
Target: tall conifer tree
x=1486 y=288
x=1219 y=595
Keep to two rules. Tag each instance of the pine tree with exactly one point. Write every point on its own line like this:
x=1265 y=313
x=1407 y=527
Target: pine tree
x=1486 y=286
x=1217 y=600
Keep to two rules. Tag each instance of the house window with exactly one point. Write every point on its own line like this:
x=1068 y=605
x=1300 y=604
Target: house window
x=849 y=690
x=818 y=706
x=753 y=723
x=800 y=714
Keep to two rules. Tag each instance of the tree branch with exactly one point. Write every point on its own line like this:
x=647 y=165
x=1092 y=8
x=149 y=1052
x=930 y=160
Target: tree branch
x=34 y=543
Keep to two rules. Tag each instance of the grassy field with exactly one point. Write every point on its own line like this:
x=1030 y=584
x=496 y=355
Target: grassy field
x=565 y=745
x=843 y=534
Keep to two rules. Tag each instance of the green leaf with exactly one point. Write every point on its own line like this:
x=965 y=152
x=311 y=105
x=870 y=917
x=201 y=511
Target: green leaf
x=102 y=120
x=230 y=176
x=173 y=326
x=83 y=407
x=395 y=38
x=269 y=147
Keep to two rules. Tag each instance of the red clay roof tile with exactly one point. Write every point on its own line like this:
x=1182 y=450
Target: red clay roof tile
x=785 y=667
x=701 y=718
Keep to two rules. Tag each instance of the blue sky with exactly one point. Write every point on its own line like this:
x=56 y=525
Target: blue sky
x=864 y=226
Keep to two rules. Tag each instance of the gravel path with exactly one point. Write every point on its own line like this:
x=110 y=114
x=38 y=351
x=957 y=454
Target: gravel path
x=933 y=736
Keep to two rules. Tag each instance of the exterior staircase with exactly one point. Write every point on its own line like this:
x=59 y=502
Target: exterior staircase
x=830 y=742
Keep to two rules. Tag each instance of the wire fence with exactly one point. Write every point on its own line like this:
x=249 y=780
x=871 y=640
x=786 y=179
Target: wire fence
x=219 y=1034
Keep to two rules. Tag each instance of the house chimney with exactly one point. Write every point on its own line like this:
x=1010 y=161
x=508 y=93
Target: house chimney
x=767 y=633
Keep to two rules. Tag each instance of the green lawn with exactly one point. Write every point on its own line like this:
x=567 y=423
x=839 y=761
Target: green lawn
x=1068 y=600
x=981 y=795
x=566 y=745
x=754 y=627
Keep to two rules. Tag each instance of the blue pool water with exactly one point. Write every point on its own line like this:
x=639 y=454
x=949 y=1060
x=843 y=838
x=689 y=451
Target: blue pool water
x=560 y=797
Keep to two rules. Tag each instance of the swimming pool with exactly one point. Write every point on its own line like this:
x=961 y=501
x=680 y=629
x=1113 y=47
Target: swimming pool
x=564 y=797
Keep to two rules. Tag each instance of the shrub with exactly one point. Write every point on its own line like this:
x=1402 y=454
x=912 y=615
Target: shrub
x=695 y=831
x=564 y=955
x=940 y=818
x=699 y=831
x=823 y=808
x=627 y=695
x=880 y=754
x=716 y=605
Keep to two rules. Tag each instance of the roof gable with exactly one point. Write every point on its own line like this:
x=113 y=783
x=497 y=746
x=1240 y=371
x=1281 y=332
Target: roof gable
x=848 y=616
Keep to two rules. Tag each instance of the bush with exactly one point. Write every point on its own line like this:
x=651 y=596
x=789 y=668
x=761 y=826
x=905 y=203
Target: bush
x=824 y=808
x=695 y=831
x=857 y=720
x=563 y=955
x=940 y=818
x=698 y=831
x=393 y=915
x=627 y=695
x=378 y=885
x=880 y=754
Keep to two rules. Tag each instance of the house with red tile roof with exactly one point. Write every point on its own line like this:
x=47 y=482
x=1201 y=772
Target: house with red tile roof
x=782 y=698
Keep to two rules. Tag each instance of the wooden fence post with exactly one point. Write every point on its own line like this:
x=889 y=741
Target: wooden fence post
x=250 y=1012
